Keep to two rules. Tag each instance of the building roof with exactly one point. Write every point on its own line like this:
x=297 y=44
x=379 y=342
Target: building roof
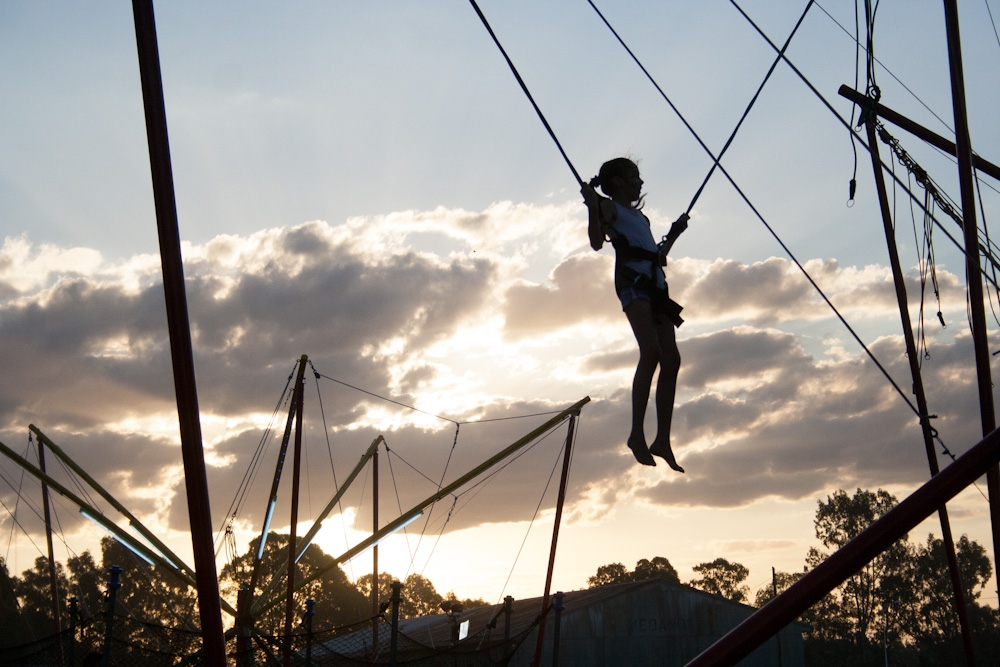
x=486 y=625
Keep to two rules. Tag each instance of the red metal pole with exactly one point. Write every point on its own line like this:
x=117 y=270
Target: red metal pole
x=875 y=539
x=185 y=388
x=555 y=539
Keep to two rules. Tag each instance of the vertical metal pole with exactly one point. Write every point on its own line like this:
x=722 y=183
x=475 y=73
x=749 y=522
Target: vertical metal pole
x=774 y=592
x=558 y=607
x=196 y=481
x=374 y=555
x=244 y=627
x=73 y=611
x=508 y=609
x=958 y=591
x=53 y=579
x=272 y=501
x=296 y=472
x=109 y=616
x=963 y=145
x=394 y=641
x=310 y=612
x=555 y=539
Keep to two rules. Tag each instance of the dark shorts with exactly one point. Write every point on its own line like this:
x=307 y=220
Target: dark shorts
x=632 y=290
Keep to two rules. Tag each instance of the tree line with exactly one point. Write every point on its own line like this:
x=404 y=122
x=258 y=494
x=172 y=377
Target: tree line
x=156 y=597
x=899 y=605
x=898 y=609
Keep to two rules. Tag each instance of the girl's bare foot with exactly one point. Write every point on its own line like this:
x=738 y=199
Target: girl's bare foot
x=662 y=449
x=638 y=446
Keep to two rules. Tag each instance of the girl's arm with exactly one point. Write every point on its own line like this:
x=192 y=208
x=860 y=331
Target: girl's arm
x=676 y=230
x=601 y=212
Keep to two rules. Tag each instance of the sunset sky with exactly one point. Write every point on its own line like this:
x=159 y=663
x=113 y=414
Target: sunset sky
x=365 y=183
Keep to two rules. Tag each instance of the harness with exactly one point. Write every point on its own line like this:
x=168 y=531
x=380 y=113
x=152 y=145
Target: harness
x=626 y=276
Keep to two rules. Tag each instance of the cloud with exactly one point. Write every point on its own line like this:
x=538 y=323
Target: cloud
x=580 y=289
x=474 y=317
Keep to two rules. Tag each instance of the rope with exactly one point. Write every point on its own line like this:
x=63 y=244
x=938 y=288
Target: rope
x=895 y=179
x=992 y=22
x=530 y=524
x=853 y=183
x=250 y=475
x=383 y=398
x=753 y=208
x=431 y=414
x=527 y=93
x=329 y=448
x=657 y=86
x=760 y=217
x=399 y=502
x=753 y=100
x=888 y=71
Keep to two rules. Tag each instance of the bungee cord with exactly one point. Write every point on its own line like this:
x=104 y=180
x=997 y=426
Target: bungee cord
x=992 y=22
x=527 y=93
x=717 y=164
x=531 y=523
x=857 y=41
x=896 y=179
x=657 y=86
x=853 y=183
x=746 y=111
x=760 y=217
x=715 y=158
x=236 y=506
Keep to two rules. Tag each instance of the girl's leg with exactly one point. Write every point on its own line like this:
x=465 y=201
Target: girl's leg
x=640 y=317
x=666 y=389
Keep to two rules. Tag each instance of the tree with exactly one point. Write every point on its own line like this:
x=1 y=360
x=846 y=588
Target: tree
x=612 y=573
x=419 y=598
x=780 y=582
x=16 y=628
x=935 y=617
x=616 y=573
x=466 y=603
x=722 y=577
x=658 y=568
x=87 y=584
x=33 y=591
x=148 y=593
x=364 y=584
x=338 y=601
x=869 y=600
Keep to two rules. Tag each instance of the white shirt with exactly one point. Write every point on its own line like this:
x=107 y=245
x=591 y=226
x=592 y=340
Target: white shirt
x=634 y=227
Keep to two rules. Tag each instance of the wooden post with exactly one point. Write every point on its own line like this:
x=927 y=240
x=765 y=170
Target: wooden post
x=53 y=579
x=296 y=471
x=918 y=387
x=193 y=455
x=555 y=539
x=374 y=596
x=810 y=589
x=963 y=146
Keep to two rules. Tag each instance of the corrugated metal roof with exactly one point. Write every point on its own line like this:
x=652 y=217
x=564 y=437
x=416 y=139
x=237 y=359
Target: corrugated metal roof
x=486 y=624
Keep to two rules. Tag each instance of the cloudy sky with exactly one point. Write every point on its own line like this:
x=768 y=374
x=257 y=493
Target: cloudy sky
x=366 y=184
